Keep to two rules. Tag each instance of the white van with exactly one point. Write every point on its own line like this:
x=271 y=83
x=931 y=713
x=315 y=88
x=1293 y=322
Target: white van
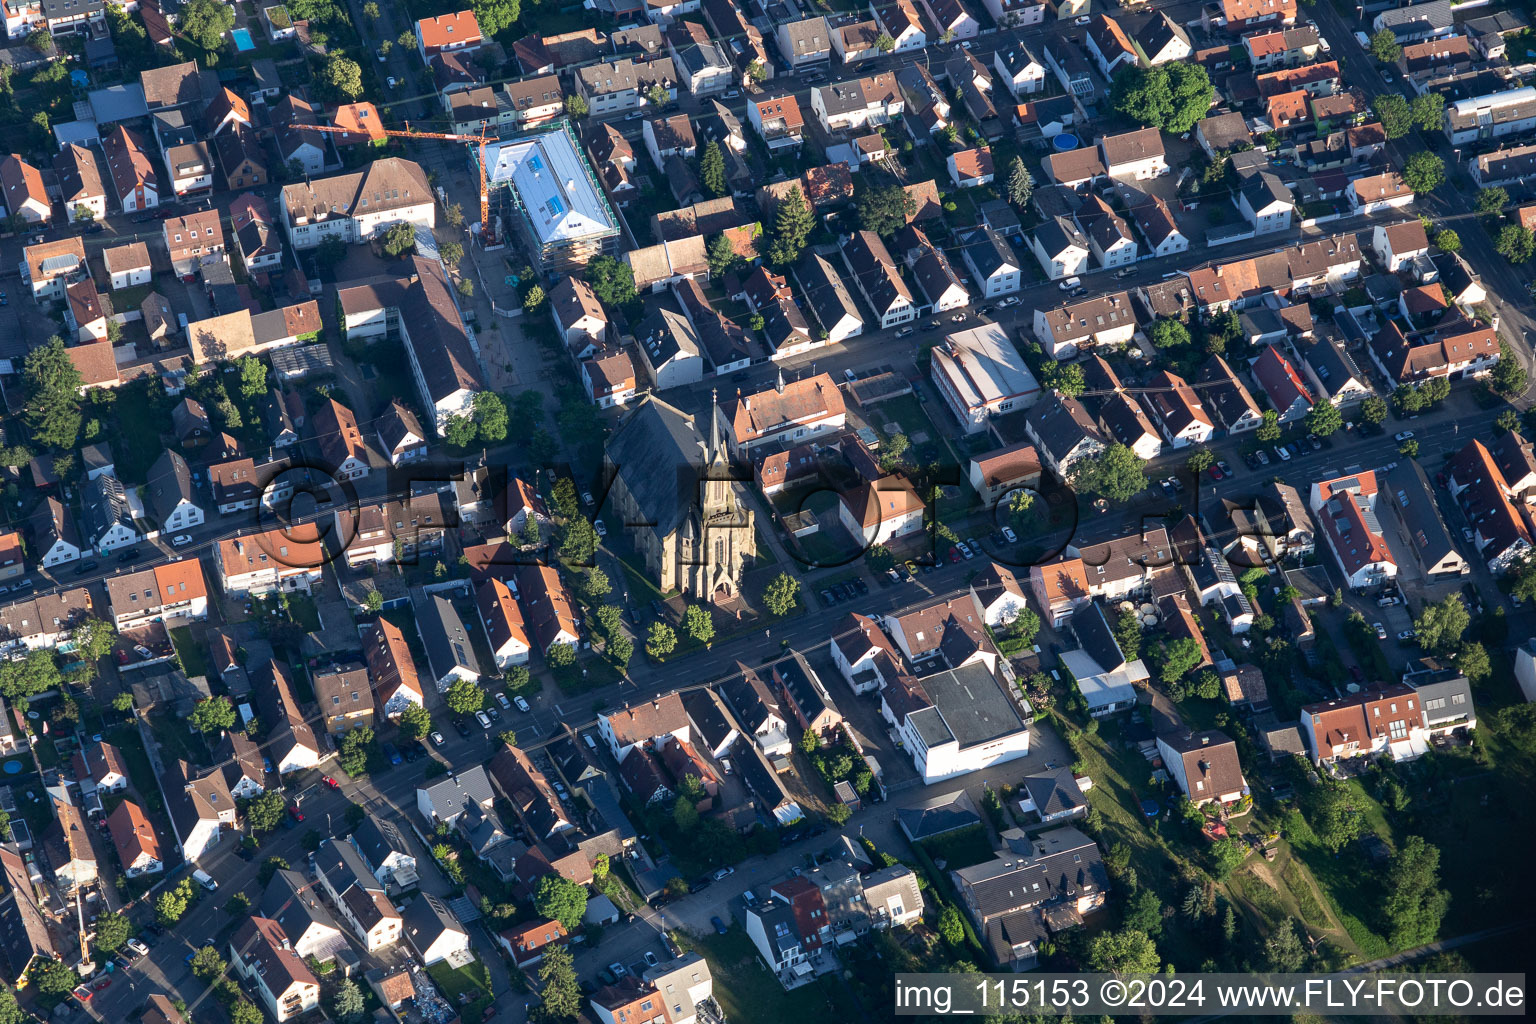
x=205 y=880
x=1070 y=283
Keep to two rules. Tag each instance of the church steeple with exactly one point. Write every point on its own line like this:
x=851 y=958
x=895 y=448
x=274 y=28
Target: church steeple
x=714 y=425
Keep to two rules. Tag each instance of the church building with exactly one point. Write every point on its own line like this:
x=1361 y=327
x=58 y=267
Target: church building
x=676 y=496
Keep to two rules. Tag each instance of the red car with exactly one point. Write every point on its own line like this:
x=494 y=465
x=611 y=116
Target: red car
x=103 y=983
x=295 y=813
x=954 y=554
x=331 y=782
x=1216 y=473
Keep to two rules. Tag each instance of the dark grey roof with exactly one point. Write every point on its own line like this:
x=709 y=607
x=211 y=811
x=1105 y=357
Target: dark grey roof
x=1152 y=37
x=377 y=839
x=290 y=901
x=169 y=484
x=454 y=794
x=987 y=252
x=1096 y=638
x=665 y=334
x=426 y=919
x=1408 y=21
x=104 y=503
x=938 y=815
x=1265 y=188
x=343 y=867
x=1057 y=234
x=1055 y=792
x=446 y=640
x=824 y=292
x=762 y=780
x=1062 y=861
x=1334 y=366
x=974 y=704
x=1414 y=501
x=778 y=924
x=803 y=686
x=658 y=453
x=1445 y=695
x=1060 y=423
x=749 y=699
x=707 y=717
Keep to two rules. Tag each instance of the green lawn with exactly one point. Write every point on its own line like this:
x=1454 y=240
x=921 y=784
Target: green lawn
x=194 y=661
x=960 y=849
x=749 y=993
x=590 y=673
x=301 y=608
x=471 y=981
x=141 y=776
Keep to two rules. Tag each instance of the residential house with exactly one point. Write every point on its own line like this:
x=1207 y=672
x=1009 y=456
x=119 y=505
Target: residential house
x=1063 y=432
x=827 y=299
x=135 y=186
x=1109 y=45
x=624 y=84
x=386 y=852
x=435 y=933
x=1137 y=155
x=502 y=621
x=1287 y=394
x=863 y=103
x=778 y=121
x=992 y=263
x=881 y=510
x=127 y=266
x=548 y=609
x=1178 y=410
x=804 y=43
x=1061 y=248
x=22 y=191
x=970 y=168
x=400 y=435
x=359 y=897
x=201 y=808
x=875 y=274
x=81 y=187
x=290 y=901
x=1109 y=237
x=265 y=561
x=391 y=669
x=1033 y=888
x=993 y=474
x=1106 y=321
x=1378 y=192
x=1398 y=244
x=260 y=953
x=138 y=850
x=1019 y=69
x=1204 y=765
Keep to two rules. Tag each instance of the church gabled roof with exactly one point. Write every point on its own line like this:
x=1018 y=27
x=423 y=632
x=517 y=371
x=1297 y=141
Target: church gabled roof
x=660 y=456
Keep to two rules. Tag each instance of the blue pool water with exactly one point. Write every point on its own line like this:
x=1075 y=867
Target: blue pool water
x=242 y=38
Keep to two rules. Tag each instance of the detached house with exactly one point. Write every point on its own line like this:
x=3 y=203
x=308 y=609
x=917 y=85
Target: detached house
x=391 y=669
x=1204 y=765
x=1179 y=412
x=1138 y=154
x=260 y=953
x=21 y=186
x=1385 y=191
x=1398 y=244
x=778 y=121
x=80 y=183
x=804 y=43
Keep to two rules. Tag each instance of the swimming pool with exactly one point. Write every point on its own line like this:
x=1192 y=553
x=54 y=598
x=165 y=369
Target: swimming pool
x=242 y=38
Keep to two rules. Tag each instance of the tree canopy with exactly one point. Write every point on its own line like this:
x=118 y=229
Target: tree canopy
x=712 y=169
x=1395 y=115
x=212 y=716
x=884 y=209
x=1172 y=97
x=792 y=226
x=1384 y=46
x=53 y=397
x=493 y=16
x=612 y=281
x=464 y=697
x=1124 y=952
x=343 y=77
x=1324 y=418
x=1115 y=474
x=1414 y=903
x=781 y=593
x=560 y=899
x=1423 y=171
x=204 y=22
x=1440 y=625
x=400 y=238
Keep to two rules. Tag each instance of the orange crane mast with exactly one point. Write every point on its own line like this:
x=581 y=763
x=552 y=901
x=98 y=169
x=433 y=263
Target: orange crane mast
x=408 y=133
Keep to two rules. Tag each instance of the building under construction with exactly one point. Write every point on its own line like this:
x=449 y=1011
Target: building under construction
x=543 y=189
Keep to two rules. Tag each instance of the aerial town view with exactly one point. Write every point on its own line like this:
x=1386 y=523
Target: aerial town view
x=696 y=511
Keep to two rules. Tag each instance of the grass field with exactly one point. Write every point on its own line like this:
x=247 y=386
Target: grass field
x=472 y=982
x=194 y=662
x=749 y=994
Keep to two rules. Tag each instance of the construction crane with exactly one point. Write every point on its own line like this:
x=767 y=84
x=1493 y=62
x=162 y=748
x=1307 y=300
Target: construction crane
x=408 y=133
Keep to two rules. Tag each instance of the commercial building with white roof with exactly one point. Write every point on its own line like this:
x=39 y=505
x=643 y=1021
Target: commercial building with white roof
x=543 y=184
x=980 y=374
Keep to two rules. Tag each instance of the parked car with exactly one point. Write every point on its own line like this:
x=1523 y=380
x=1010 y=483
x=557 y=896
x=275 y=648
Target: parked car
x=392 y=752
x=1215 y=473
x=330 y=782
x=84 y=568
x=1408 y=636
x=724 y=872
x=295 y=813
x=1381 y=631
x=906 y=332
x=129 y=555
x=651 y=959
x=1262 y=456
x=1315 y=442
x=463 y=729
x=1224 y=466
x=617 y=969
x=138 y=947
x=181 y=540
x=522 y=705
x=437 y=738
x=483 y=719
x=1009 y=535
x=720 y=928
x=1280 y=450
x=600 y=527
x=1402 y=435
